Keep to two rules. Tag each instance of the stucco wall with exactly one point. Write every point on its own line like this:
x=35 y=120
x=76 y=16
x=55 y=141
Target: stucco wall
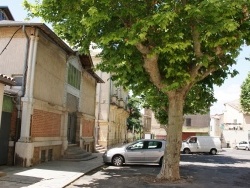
x=88 y=94
x=231 y=114
x=12 y=58
x=199 y=120
x=50 y=73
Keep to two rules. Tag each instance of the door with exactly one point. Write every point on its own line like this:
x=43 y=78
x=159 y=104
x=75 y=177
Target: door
x=4 y=137
x=153 y=151
x=135 y=153
x=193 y=145
x=71 y=133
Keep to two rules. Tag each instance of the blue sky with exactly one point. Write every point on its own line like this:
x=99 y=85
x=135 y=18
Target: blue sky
x=228 y=92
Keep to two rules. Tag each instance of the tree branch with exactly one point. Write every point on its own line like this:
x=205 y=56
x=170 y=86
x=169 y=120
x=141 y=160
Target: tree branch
x=197 y=44
x=151 y=65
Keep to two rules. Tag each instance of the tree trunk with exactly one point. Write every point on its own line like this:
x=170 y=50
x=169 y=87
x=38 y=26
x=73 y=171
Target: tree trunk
x=170 y=167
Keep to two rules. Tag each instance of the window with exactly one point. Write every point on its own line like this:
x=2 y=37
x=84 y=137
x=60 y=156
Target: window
x=137 y=145
x=188 y=121
x=43 y=156
x=50 y=154
x=3 y=16
x=18 y=80
x=193 y=140
x=154 y=145
x=74 y=77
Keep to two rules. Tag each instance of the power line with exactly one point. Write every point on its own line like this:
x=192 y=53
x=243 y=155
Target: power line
x=9 y=41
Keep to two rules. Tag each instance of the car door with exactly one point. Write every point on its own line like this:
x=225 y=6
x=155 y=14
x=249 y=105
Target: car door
x=193 y=145
x=135 y=153
x=153 y=151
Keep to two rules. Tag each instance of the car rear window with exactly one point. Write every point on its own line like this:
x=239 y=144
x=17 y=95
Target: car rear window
x=154 y=145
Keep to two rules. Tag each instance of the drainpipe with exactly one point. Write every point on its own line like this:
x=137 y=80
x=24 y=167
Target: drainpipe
x=110 y=81
x=28 y=95
x=99 y=111
x=18 y=102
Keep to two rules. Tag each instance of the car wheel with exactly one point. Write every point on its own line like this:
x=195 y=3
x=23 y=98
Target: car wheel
x=236 y=147
x=117 y=160
x=247 y=148
x=213 y=151
x=186 y=151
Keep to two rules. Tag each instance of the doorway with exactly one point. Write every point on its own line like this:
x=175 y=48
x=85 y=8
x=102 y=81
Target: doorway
x=71 y=133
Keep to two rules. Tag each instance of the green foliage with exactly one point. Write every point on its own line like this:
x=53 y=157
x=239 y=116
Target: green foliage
x=245 y=95
x=167 y=29
x=133 y=121
x=163 y=26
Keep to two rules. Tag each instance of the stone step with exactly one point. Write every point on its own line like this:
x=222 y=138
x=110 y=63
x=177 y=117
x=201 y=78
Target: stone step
x=75 y=153
x=100 y=149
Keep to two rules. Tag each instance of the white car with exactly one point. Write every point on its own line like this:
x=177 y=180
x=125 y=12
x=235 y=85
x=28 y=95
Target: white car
x=243 y=145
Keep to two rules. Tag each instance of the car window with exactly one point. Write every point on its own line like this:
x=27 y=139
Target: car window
x=193 y=140
x=137 y=145
x=154 y=145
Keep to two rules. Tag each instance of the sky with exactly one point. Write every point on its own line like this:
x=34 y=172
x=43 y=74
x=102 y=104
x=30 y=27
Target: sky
x=228 y=92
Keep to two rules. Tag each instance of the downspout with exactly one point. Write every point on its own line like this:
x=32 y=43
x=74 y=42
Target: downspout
x=19 y=96
x=99 y=111
x=33 y=65
x=109 y=107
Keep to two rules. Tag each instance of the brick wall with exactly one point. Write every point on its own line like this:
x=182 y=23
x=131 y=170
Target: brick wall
x=88 y=128
x=45 y=124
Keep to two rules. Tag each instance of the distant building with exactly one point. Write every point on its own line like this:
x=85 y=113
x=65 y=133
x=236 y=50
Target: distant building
x=232 y=126
x=111 y=110
x=194 y=125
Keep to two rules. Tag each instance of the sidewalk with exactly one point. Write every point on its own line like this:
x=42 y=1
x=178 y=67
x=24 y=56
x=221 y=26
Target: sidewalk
x=53 y=174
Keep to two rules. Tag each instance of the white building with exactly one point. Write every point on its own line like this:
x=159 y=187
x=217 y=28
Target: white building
x=232 y=126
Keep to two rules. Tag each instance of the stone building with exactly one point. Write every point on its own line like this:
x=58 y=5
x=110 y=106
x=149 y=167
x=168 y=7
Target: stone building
x=54 y=96
x=111 y=110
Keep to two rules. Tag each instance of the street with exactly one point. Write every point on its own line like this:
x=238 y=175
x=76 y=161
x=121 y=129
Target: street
x=230 y=168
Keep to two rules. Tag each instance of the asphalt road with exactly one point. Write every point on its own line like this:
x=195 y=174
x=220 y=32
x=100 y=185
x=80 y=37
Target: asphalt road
x=230 y=168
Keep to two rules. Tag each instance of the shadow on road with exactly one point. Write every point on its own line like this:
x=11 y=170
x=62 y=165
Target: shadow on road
x=198 y=171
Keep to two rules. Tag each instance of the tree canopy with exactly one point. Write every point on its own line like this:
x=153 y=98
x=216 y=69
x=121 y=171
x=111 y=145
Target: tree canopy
x=245 y=95
x=172 y=51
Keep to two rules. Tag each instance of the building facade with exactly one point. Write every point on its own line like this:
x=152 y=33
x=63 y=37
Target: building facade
x=232 y=126
x=194 y=125
x=111 y=110
x=54 y=92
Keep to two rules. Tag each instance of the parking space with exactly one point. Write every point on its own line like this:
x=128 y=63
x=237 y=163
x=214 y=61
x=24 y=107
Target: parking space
x=230 y=168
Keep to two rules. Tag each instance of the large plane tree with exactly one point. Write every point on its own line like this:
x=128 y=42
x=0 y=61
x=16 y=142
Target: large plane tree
x=168 y=46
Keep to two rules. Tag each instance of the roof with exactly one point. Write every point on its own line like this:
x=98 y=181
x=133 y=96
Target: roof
x=85 y=59
x=44 y=28
x=235 y=104
x=6 y=10
x=88 y=65
x=6 y=80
